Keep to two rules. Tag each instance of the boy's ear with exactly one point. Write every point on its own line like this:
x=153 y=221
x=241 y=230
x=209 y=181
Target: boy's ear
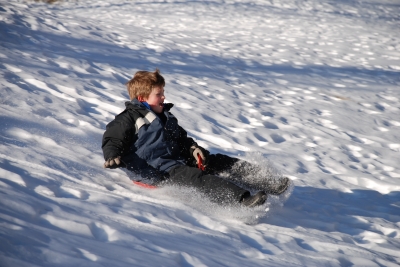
x=141 y=98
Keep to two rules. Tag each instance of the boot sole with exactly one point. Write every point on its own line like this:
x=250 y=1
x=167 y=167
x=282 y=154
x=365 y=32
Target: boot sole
x=257 y=201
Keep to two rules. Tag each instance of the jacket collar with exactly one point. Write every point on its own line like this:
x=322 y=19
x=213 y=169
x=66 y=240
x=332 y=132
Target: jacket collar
x=136 y=104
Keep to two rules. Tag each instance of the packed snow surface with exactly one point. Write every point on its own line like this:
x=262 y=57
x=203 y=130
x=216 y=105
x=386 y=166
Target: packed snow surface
x=309 y=86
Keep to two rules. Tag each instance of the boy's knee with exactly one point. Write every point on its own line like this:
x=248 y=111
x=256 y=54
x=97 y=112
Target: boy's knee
x=184 y=172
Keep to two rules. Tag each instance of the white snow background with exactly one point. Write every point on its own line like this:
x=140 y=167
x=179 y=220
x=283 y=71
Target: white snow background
x=312 y=86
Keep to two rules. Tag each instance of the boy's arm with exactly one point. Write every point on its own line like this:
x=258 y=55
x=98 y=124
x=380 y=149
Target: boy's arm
x=117 y=139
x=185 y=142
x=190 y=149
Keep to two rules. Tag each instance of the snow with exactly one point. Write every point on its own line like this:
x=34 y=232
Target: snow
x=312 y=87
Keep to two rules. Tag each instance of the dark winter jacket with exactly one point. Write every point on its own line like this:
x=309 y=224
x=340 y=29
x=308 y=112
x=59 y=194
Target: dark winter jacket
x=147 y=145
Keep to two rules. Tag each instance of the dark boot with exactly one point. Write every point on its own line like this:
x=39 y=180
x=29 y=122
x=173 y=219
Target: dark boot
x=255 y=200
x=278 y=187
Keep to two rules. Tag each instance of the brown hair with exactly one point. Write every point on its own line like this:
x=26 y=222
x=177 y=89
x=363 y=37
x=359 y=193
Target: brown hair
x=143 y=83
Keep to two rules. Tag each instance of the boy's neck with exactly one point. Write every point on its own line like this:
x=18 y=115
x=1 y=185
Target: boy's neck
x=146 y=105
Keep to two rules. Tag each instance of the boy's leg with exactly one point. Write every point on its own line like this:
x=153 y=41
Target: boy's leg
x=218 y=189
x=218 y=163
x=246 y=174
x=237 y=168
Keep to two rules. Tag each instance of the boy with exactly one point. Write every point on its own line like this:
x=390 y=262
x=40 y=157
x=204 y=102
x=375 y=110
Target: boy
x=147 y=140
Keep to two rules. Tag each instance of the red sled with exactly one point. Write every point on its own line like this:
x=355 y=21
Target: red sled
x=148 y=186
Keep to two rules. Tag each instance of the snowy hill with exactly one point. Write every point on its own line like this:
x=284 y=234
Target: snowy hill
x=311 y=86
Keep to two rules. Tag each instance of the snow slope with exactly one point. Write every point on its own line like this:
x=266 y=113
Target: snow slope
x=311 y=86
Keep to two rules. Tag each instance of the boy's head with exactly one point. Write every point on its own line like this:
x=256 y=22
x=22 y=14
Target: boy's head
x=143 y=82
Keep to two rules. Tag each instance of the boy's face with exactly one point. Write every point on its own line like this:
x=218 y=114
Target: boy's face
x=156 y=99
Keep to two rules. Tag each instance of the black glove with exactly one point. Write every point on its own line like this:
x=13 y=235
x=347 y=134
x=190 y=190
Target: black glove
x=198 y=150
x=113 y=163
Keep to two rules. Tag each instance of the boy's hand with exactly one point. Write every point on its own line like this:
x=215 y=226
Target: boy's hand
x=198 y=150
x=112 y=163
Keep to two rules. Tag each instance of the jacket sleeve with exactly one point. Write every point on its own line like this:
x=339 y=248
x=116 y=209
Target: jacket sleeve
x=185 y=143
x=118 y=136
